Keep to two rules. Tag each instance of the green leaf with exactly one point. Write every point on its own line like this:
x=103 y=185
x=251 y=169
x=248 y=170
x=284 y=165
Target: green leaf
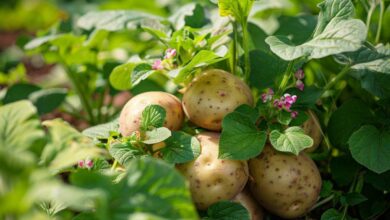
x=19 y=92
x=120 y=77
x=266 y=69
x=114 y=20
x=180 y=148
x=47 y=100
x=191 y=15
x=156 y=135
x=326 y=189
x=21 y=136
x=307 y=98
x=240 y=139
x=102 y=131
x=248 y=111
x=37 y=42
x=238 y=9
x=141 y=72
x=292 y=140
x=331 y=214
x=331 y=9
x=124 y=152
x=284 y=117
x=201 y=59
x=153 y=116
x=343 y=169
x=379 y=181
x=227 y=210
x=337 y=37
x=346 y=119
x=371 y=148
x=352 y=199
x=367 y=53
x=298 y=28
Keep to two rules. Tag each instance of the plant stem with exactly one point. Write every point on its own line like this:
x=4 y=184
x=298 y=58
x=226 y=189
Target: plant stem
x=369 y=15
x=336 y=79
x=245 y=45
x=286 y=78
x=235 y=50
x=382 y=10
x=81 y=94
x=320 y=203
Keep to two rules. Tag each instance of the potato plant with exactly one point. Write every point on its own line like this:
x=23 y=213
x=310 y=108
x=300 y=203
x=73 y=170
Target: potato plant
x=227 y=109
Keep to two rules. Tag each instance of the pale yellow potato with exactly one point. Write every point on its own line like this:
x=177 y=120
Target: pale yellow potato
x=312 y=127
x=246 y=199
x=211 y=179
x=212 y=95
x=130 y=117
x=284 y=184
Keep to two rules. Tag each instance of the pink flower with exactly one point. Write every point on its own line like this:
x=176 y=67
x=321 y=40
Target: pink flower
x=81 y=163
x=299 y=74
x=299 y=84
x=294 y=114
x=285 y=102
x=170 y=53
x=89 y=163
x=157 y=65
x=267 y=96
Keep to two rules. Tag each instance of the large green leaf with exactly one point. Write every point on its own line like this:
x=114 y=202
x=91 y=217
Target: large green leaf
x=346 y=119
x=120 y=77
x=114 y=20
x=20 y=132
x=156 y=135
x=19 y=92
x=331 y=9
x=47 y=100
x=240 y=139
x=180 y=148
x=292 y=140
x=371 y=148
x=102 y=131
x=124 y=152
x=337 y=37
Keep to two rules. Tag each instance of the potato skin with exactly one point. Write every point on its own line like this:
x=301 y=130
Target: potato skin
x=212 y=95
x=285 y=184
x=312 y=127
x=130 y=117
x=246 y=199
x=211 y=179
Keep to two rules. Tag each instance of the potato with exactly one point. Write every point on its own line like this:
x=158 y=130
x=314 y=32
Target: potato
x=130 y=117
x=212 y=95
x=246 y=200
x=285 y=184
x=211 y=179
x=312 y=127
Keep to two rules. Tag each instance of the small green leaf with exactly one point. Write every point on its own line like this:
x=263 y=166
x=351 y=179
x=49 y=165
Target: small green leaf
x=326 y=189
x=124 y=152
x=120 y=77
x=153 y=116
x=352 y=199
x=238 y=9
x=47 y=100
x=156 y=135
x=180 y=148
x=102 y=131
x=293 y=140
x=141 y=72
x=331 y=214
x=240 y=139
x=284 y=117
x=19 y=92
x=227 y=210
x=371 y=148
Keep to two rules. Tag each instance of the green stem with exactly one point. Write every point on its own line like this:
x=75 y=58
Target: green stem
x=114 y=165
x=81 y=94
x=382 y=10
x=336 y=79
x=245 y=45
x=285 y=79
x=322 y=202
x=235 y=50
x=369 y=15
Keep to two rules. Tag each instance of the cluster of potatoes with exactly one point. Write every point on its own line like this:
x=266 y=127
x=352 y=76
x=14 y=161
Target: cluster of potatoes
x=284 y=184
